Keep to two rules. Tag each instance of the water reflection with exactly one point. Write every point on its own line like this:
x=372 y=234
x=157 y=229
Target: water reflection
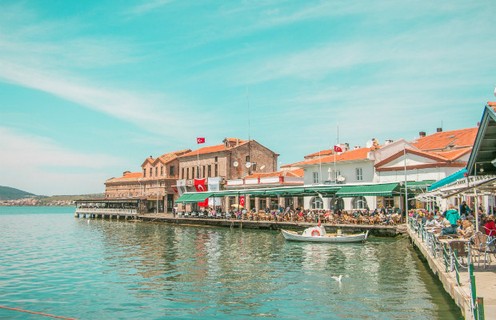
x=147 y=270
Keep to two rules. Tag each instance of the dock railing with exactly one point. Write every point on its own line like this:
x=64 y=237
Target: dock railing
x=452 y=256
x=83 y=210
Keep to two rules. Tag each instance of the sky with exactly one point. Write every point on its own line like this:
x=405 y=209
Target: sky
x=89 y=89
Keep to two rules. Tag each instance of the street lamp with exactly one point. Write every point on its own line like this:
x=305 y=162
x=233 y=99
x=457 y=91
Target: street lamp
x=406 y=185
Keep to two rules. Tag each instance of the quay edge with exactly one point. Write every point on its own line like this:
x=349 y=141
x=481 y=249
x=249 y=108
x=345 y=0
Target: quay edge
x=376 y=230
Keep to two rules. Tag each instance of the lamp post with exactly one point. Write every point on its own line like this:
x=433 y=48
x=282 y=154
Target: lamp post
x=406 y=186
x=476 y=202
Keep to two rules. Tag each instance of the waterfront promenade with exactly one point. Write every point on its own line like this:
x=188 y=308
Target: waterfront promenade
x=377 y=230
x=485 y=279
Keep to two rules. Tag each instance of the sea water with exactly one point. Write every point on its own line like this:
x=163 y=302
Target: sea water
x=54 y=263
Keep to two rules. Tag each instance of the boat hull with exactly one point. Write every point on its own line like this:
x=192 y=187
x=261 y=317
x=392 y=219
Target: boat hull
x=294 y=236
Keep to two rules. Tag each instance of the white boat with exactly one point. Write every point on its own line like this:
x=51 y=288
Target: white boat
x=319 y=234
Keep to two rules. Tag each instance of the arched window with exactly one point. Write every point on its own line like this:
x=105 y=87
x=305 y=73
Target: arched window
x=316 y=203
x=338 y=204
x=359 y=203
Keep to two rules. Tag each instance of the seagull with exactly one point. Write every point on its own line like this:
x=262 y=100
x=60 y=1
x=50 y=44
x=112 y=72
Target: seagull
x=338 y=279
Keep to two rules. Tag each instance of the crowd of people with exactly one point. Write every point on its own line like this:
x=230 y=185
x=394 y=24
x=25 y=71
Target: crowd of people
x=379 y=216
x=456 y=222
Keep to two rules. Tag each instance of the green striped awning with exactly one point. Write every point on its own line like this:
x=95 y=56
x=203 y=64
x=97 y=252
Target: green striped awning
x=381 y=190
x=194 y=197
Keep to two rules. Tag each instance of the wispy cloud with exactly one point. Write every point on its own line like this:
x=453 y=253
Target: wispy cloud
x=29 y=160
x=147 y=6
x=32 y=59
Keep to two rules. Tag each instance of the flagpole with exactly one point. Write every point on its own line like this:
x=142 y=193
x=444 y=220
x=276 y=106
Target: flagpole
x=198 y=164
x=406 y=187
x=320 y=168
x=337 y=143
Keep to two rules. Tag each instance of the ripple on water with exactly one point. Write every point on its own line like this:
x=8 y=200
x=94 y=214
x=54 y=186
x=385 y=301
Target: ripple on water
x=56 y=264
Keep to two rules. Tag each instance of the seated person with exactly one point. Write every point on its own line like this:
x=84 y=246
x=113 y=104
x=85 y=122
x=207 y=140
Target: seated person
x=467 y=229
x=432 y=221
x=448 y=228
x=490 y=227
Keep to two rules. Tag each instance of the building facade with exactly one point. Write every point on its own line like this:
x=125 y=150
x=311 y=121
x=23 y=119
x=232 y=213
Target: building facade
x=415 y=164
x=155 y=184
x=233 y=160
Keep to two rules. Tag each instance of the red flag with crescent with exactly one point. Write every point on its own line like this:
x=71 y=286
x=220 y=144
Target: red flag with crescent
x=201 y=187
x=242 y=201
x=338 y=148
x=200 y=140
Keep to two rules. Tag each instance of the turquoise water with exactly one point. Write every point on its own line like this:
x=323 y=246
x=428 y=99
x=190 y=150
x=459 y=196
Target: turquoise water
x=54 y=263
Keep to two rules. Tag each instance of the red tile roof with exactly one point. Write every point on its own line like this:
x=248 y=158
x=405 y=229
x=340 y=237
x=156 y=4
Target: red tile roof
x=350 y=155
x=127 y=176
x=447 y=140
x=216 y=148
x=167 y=157
x=319 y=154
x=284 y=173
x=453 y=154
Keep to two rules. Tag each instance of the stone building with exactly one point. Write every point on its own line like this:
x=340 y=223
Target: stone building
x=233 y=159
x=154 y=184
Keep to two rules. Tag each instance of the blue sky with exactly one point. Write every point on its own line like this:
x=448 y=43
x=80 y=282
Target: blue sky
x=89 y=89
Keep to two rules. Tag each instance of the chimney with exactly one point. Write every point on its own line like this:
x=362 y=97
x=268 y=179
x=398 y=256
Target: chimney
x=439 y=129
x=422 y=134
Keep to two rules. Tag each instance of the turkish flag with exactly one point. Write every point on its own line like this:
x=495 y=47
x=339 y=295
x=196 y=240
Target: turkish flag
x=201 y=187
x=337 y=149
x=200 y=140
x=242 y=201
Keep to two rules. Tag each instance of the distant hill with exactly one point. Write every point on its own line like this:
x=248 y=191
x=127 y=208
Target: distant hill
x=8 y=193
x=72 y=197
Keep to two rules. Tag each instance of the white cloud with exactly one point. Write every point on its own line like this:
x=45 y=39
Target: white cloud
x=147 y=6
x=37 y=164
x=33 y=56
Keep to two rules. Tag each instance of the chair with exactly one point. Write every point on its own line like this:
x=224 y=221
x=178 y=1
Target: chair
x=460 y=247
x=483 y=246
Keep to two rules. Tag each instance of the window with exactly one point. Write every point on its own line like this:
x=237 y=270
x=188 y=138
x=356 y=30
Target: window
x=204 y=171
x=316 y=203
x=315 y=177
x=254 y=166
x=172 y=171
x=359 y=203
x=156 y=171
x=187 y=173
x=192 y=172
x=161 y=170
x=359 y=174
x=216 y=169
x=247 y=158
x=150 y=172
x=144 y=172
x=182 y=173
x=209 y=170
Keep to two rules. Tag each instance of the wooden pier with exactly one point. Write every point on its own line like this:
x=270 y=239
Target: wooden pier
x=459 y=286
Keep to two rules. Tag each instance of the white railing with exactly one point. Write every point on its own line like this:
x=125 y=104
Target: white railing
x=251 y=181
x=235 y=182
x=293 y=180
x=269 y=180
x=106 y=210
